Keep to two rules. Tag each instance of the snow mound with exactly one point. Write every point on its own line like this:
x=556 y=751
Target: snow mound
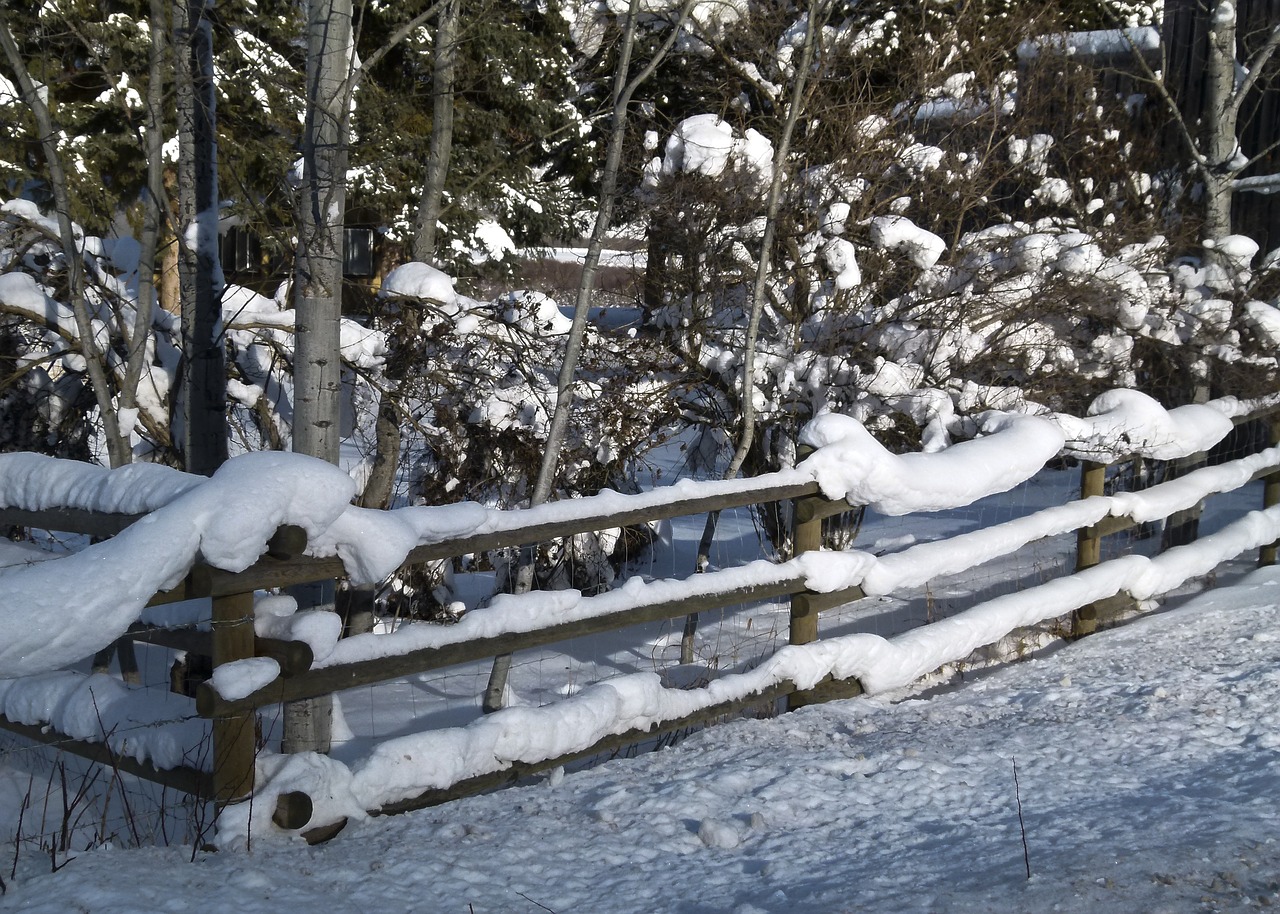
x=1128 y=421
x=898 y=233
x=419 y=280
x=850 y=464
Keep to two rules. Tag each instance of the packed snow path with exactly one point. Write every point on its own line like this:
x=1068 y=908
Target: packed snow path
x=1147 y=759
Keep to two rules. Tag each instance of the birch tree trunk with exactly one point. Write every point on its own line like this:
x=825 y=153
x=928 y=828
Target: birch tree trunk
x=1219 y=119
x=318 y=270
x=317 y=366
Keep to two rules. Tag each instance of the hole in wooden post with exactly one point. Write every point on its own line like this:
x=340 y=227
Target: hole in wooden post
x=293 y=810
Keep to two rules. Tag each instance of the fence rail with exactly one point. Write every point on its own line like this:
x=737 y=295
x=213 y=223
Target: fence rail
x=232 y=639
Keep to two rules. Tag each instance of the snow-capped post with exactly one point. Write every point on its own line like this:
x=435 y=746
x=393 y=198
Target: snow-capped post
x=204 y=376
x=1093 y=477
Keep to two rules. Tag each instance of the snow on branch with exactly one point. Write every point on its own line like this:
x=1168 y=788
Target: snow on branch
x=1105 y=46
x=1258 y=184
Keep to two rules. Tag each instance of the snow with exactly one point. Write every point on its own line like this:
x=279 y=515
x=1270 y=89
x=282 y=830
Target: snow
x=419 y=280
x=1129 y=421
x=143 y=724
x=1237 y=250
x=87 y=599
x=898 y=233
x=1145 y=760
x=239 y=678
x=852 y=465
x=1103 y=43
x=841 y=259
x=706 y=145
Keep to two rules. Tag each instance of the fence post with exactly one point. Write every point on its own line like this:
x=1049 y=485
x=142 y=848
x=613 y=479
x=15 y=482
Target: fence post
x=1093 y=477
x=1271 y=491
x=807 y=537
x=234 y=736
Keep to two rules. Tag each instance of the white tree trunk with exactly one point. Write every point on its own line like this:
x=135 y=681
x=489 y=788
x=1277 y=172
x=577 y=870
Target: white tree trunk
x=318 y=270
x=317 y=377
x=1221 y=149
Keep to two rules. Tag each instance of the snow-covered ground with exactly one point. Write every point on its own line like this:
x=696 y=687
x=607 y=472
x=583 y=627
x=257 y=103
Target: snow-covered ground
x=1146 y=764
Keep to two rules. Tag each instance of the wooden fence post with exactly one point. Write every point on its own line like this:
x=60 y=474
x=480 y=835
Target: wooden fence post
x=1093 y=477
x=807 y=537
x=235 y=735
x=1271 y=491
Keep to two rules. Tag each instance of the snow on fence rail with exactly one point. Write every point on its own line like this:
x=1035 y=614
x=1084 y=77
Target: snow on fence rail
x=273 y=520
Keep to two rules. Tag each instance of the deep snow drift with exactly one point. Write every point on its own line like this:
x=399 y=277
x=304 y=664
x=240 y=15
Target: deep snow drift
x=1146 y=761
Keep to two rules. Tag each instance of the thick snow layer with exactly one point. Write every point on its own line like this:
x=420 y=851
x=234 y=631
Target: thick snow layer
x=243 y=677
x=87 y=599
x=1104 y=43
x=143 y=724
x=841 y=259
x=1265 y=320
x=850 y=464
x=704 y=144
x=699 y=145
x=36 y=483
x=419 y=280
x=19 y=292
x=1128 y=421
x=244 y=309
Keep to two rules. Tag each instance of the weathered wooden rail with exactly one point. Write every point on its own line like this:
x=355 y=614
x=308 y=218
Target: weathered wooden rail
x=231 y=637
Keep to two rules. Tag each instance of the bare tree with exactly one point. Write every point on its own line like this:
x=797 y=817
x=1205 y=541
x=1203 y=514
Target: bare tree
x=814 y=18
x=624 y=88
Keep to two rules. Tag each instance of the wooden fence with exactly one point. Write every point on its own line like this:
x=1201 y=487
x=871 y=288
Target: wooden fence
x=231 y=638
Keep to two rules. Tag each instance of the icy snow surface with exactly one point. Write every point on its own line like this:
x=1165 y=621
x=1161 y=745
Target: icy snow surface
x=1146 y=769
